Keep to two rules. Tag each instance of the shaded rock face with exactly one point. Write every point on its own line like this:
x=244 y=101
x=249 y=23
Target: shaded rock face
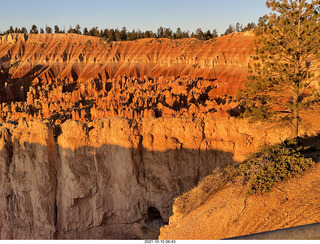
x=98 y=189
x=111 y=173
x=99 y=179
x=28 y=173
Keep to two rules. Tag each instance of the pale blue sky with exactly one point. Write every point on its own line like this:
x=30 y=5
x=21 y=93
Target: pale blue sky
x=133 y=14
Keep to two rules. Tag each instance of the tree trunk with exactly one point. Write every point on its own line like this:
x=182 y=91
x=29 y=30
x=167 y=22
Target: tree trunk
x=295 y=124
x=295 y=113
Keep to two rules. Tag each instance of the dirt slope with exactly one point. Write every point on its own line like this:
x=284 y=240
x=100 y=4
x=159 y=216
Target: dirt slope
x=230 y=212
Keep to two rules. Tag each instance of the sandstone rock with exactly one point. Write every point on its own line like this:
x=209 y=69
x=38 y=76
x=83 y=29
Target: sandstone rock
x=29 y=180
x=100 y=178
x=146 y=232
x=148 y=124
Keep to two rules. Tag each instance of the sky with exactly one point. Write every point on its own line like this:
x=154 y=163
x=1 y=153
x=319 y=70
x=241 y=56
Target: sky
x=133 y=14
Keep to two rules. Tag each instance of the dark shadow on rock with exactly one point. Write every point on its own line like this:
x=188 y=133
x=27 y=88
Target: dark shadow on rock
x=50 y=192
x=313 y=147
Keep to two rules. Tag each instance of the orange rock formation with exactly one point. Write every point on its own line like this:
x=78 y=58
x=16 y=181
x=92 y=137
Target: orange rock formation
x=79 y=58
x=98 y=138
x=96 y=180
x=69 y=76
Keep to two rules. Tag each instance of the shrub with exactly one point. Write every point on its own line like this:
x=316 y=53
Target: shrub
x=274 y=164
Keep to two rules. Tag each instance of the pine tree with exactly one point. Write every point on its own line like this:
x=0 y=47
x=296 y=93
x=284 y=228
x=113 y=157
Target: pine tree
x=208 y=35
x=71 y=30
x=111 y=35
x=238 y=27
x=167 y=33
x=123 y=34
x=94 y=31
x=133 y=35
x=24 y=30
x=281 y=82
x=139 y=34
x=178 y=33
x=56 y=29
x=160 y=32
x=214 y=33
x=185 y=34
x=231 y=29
x=250 y=26
x=78 y=29
x=85 y=31
x=34 y=29
x=199 y=34
x=48 y=29
x=262 y=21
x=146 y=34
x=117 y=35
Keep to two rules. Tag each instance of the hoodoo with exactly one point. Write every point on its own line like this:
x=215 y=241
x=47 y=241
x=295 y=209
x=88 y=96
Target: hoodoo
x=70 y=76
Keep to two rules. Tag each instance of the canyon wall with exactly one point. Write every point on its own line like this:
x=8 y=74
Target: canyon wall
x=80 y=58
x=97 y=138
x=96 y=176
x=96 y=180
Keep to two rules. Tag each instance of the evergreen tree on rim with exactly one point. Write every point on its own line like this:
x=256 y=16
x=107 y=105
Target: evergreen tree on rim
x=283 y=77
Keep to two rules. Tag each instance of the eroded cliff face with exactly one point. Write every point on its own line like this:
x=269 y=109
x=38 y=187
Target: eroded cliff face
x=79 y=58
x=96 y=180
x=28 y=181
x=68 y=76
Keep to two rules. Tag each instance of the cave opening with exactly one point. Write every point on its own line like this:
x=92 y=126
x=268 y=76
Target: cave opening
x=154 y=218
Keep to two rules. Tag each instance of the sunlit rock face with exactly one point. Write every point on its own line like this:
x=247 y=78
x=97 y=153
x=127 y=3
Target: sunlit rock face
x=96 y=180
x=98 y=138
x=68 y=76
x=78 y=57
